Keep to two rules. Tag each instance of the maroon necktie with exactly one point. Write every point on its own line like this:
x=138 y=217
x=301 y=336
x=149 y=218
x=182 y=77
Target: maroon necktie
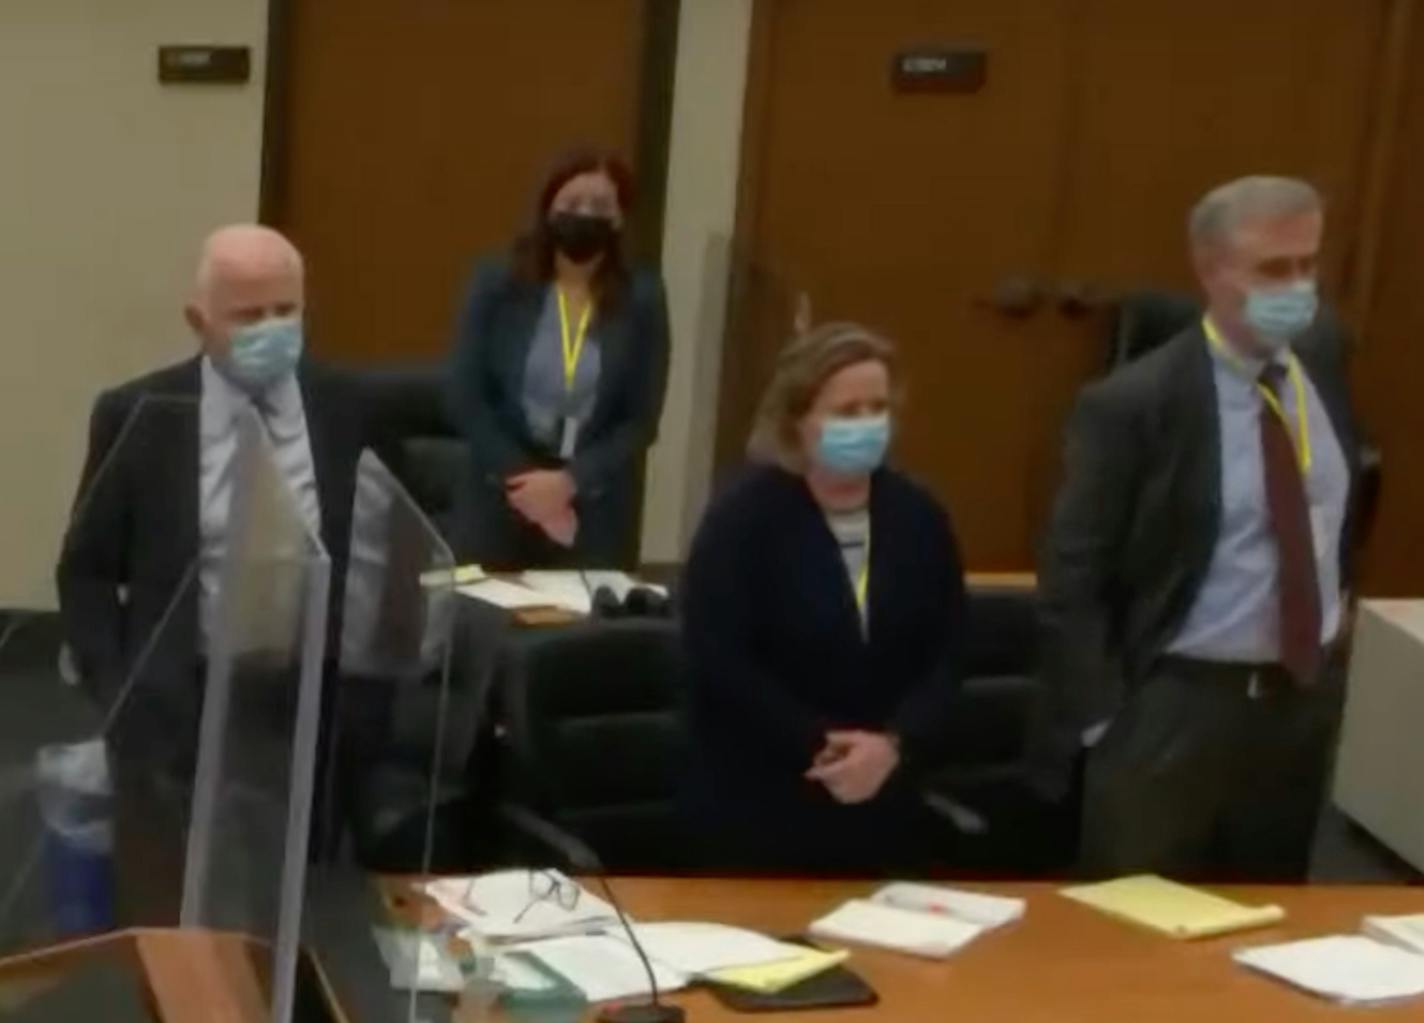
x=1299 y=588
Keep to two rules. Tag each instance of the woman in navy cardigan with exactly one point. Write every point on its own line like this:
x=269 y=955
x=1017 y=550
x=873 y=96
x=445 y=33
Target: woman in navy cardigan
x=557 y=382
x=824 y=621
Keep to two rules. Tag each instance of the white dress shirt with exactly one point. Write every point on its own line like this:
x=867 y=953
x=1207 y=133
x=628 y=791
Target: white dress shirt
x=280 y=409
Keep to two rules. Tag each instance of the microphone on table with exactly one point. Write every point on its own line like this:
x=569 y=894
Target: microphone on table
x=585 y=861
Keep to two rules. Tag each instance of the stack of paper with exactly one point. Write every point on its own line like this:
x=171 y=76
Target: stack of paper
x=603 y=967
x=988 y=911
x=418 y=962
x=510 y=596
x=570 y=591
x=1172 y=909
x=932 y=935
x=1343 y=968
x=508 y=905
x=574 y=590
x=701 y=948
x=1406 y=932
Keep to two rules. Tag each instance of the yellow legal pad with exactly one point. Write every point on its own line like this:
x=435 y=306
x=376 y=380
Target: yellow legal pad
x=773 y=978
x=1173 y=909
x=460 y=576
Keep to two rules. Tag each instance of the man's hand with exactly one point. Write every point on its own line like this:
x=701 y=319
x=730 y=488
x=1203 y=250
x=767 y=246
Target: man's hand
x=854 y=766
x=541 y=495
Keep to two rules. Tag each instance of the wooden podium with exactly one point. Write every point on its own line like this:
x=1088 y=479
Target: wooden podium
x=190 y=976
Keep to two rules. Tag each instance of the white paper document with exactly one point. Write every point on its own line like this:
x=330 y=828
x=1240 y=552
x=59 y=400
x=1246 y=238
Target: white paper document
x=573 y=590
x=512 y=905
x=510 y=596
x=698 y=948
x=565 y=590
x=418 y=962
x=514 y=974
x=603 y=967
x=1406 y=932
x=1343 y=968
x=975 y=908
x=931 y=935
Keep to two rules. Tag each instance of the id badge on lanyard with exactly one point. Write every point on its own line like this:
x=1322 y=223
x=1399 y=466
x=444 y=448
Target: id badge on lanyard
x=572 y=344
x=568 y=436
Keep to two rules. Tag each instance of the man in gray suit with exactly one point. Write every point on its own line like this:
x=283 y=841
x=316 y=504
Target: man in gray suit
x=1198 y=554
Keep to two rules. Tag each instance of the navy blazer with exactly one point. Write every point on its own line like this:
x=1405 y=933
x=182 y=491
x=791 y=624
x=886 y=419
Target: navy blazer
x=776 y=653
x=495 y=331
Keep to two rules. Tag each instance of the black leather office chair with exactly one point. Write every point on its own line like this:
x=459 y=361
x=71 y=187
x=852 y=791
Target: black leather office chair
x=982 y=786
x=417 y=440
x=1146 y=319
x=594 y=737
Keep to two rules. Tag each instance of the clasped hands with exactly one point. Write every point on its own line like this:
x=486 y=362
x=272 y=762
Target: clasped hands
x=854 y=765
x=545 y=498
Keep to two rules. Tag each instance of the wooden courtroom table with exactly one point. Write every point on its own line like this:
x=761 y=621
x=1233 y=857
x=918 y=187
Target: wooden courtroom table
x=1063 y=963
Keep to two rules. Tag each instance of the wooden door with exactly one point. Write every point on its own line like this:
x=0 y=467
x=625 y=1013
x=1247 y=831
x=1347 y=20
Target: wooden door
x=906 y=212
x=415 y=137
x=1066 y=179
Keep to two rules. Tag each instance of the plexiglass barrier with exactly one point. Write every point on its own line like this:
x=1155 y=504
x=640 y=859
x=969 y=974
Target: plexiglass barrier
x=387 y=792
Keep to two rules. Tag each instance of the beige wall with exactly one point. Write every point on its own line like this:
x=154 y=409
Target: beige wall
x=107 y=183
x=703 y=167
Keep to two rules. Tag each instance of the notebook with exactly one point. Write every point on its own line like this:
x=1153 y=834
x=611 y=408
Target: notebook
x=863 y=922
x=1406 y=932
x=973 y=907
x=1173 y=909
x=1344 y=968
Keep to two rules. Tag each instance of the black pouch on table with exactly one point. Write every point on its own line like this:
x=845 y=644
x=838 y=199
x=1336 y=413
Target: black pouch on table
x=837 y=988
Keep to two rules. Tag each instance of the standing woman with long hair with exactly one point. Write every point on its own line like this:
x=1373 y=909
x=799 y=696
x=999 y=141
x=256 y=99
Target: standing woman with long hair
x=558 y=377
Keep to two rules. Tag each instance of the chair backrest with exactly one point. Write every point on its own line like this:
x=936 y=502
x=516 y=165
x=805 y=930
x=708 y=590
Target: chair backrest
x=1146 y=319
x=416 y=438
x=596 y=737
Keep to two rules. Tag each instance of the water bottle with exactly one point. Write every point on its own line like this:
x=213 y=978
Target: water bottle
x=76 y=805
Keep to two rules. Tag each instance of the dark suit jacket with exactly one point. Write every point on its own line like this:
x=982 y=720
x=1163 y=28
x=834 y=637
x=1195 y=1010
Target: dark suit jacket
x=134 y=540
x=495 y=331
x=1137 y=518
x=777 y=656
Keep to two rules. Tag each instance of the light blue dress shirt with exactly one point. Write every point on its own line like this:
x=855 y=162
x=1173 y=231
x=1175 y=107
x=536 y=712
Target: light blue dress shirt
x=1236 y=615
x=220 y=416
x=546 y=401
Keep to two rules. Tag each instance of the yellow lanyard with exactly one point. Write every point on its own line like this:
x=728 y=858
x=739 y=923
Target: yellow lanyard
x=862 y=581
x=573 y=347
x=1269 y=396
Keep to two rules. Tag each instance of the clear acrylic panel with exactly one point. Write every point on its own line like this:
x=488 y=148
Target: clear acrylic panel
x=254 y=777
x=390 y=792
x=98 y=725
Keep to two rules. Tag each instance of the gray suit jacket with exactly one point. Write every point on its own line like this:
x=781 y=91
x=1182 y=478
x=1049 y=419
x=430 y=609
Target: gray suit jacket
x=1136 y=519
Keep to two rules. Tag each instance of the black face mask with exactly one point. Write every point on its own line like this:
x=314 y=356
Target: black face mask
x=580 y=236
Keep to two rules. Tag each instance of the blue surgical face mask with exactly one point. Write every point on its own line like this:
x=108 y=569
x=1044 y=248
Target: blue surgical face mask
x=262 y=353
x=852 y=445
x=1280 y=315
